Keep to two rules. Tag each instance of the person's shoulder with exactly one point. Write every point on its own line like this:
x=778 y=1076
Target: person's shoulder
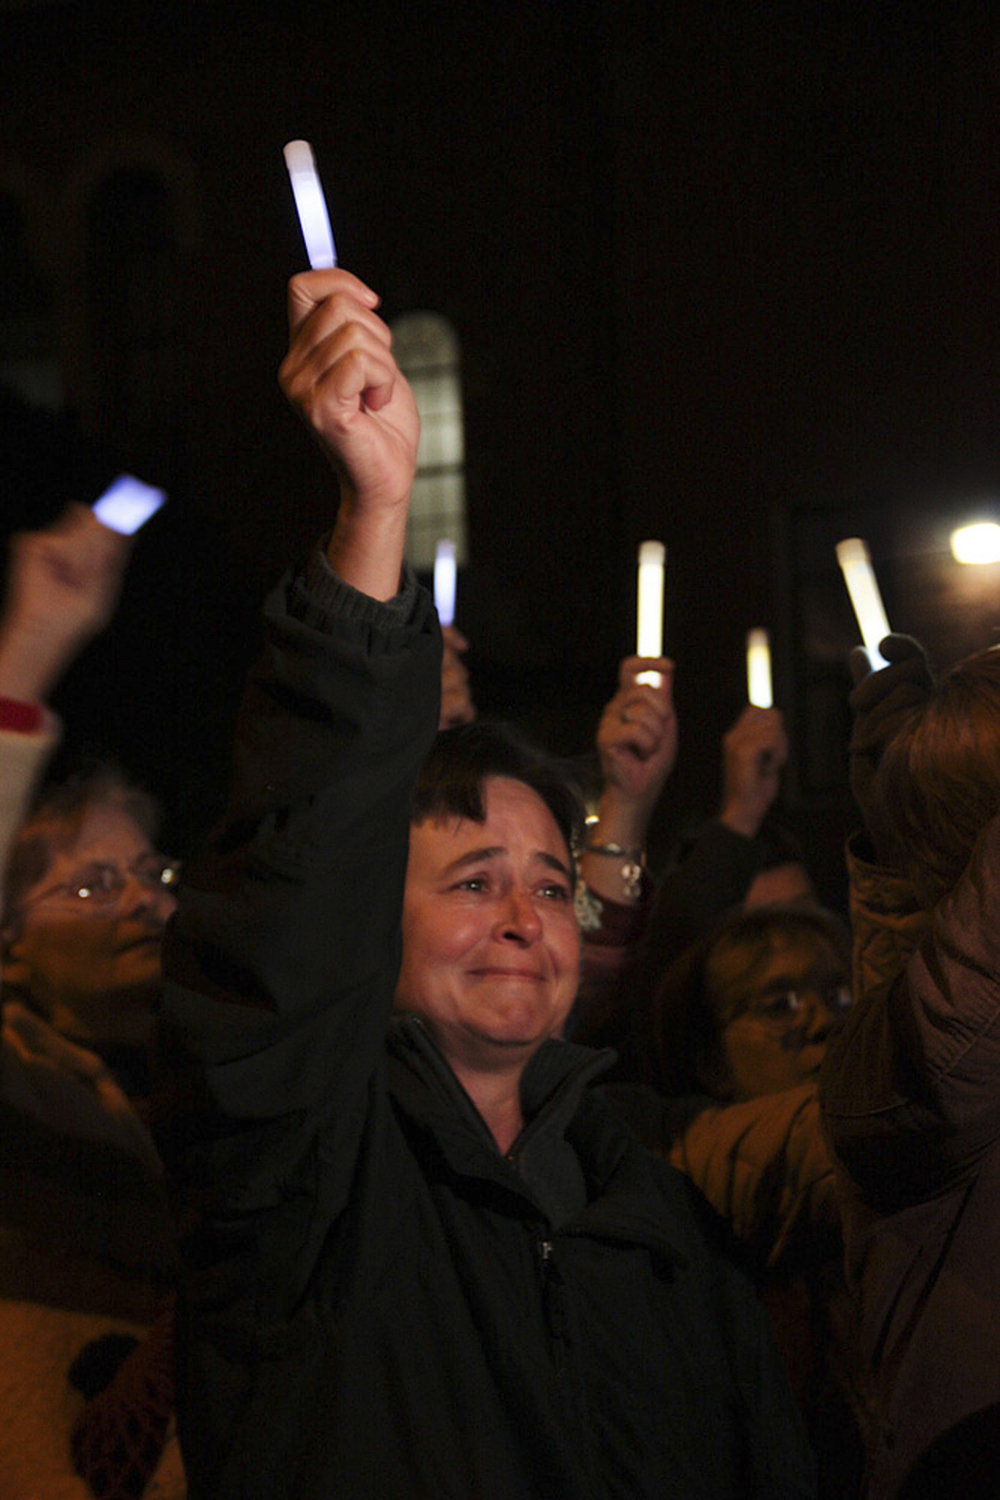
x=644 y=1123
x=654 y=1119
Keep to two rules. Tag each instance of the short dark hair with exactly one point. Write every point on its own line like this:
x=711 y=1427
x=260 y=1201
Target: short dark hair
x=463 y=758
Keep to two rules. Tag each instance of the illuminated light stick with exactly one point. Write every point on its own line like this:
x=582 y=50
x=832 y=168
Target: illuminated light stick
x=759 y=689
x=311 y=205
x=445 y=578
x=128 y=504
x=649 y=632
x=856 y=566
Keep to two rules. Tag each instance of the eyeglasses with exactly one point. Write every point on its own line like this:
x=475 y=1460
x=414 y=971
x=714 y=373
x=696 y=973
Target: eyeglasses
x=100 y=885
x=786 y=1009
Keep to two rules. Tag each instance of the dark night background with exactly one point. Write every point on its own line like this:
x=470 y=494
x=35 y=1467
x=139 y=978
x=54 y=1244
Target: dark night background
x=722 y=275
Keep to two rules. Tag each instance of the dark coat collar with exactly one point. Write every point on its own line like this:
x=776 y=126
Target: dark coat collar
x=626 y=1201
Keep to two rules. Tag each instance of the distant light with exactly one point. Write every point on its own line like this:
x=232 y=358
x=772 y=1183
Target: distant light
x=979 y=543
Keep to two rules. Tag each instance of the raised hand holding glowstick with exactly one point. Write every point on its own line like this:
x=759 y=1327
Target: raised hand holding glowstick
x=649 y=632
x=856 y=566
x=759 y=689
x=311 y=205
x=444 y=581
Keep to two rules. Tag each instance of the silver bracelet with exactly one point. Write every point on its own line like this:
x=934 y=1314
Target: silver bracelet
x=631 y=870
x=588 y=907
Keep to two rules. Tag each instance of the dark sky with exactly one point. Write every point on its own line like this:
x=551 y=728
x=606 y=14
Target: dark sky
x=722 y=274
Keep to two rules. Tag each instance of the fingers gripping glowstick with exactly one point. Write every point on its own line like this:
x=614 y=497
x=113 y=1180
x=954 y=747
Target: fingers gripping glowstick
x=311 y=205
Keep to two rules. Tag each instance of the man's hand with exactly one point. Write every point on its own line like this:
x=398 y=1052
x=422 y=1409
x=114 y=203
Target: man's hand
x=754 y=752
x=63 y=584
x=340 y=375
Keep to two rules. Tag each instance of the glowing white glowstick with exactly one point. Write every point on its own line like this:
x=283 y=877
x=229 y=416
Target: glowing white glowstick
x=444 y=581
x=311 y=205
x=856 y=566
x=649 y=631
x=759 y=689
x=128 y=504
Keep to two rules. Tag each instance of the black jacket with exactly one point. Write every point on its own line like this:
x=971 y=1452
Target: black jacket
x=378 y=1304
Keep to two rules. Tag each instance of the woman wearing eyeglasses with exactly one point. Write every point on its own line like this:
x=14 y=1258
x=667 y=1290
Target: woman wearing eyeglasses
x=87 y=898
x=87 y=1244
x=734 y=1034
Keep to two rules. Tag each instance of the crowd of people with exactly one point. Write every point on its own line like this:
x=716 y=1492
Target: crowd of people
x=413 y=1141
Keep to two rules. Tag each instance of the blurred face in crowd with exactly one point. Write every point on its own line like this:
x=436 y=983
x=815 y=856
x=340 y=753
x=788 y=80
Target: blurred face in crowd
x=491 y=948
x=86 y=946
x=776 y=1006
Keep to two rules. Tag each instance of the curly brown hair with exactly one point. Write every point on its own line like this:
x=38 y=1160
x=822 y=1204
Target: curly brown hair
x=939 y=778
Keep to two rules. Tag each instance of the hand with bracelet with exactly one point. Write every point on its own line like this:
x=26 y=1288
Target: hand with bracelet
x=637 y=748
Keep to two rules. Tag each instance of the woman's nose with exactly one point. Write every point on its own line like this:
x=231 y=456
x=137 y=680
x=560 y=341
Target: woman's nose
x=519 y=921
x=139 y=898
x=821 y=1020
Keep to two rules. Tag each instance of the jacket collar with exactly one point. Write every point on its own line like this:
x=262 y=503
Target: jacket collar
x=624 y=1200
x=552 y=1085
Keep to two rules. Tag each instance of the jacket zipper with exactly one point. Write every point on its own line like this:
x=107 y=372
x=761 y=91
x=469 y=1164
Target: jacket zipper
x=553 y=1303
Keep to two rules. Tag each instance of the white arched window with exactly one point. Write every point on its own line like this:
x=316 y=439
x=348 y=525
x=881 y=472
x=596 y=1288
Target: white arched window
x=427 y=351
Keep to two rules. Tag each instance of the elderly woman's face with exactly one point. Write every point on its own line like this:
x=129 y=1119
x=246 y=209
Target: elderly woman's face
x=91 y=965
x=776 y=1008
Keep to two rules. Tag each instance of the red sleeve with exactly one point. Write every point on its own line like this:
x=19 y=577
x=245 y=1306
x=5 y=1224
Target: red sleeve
x=23 y=718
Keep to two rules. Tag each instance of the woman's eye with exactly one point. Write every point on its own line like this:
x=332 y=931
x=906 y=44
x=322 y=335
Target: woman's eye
x=783 y=1005
x=471 y=883
x=555 y=892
